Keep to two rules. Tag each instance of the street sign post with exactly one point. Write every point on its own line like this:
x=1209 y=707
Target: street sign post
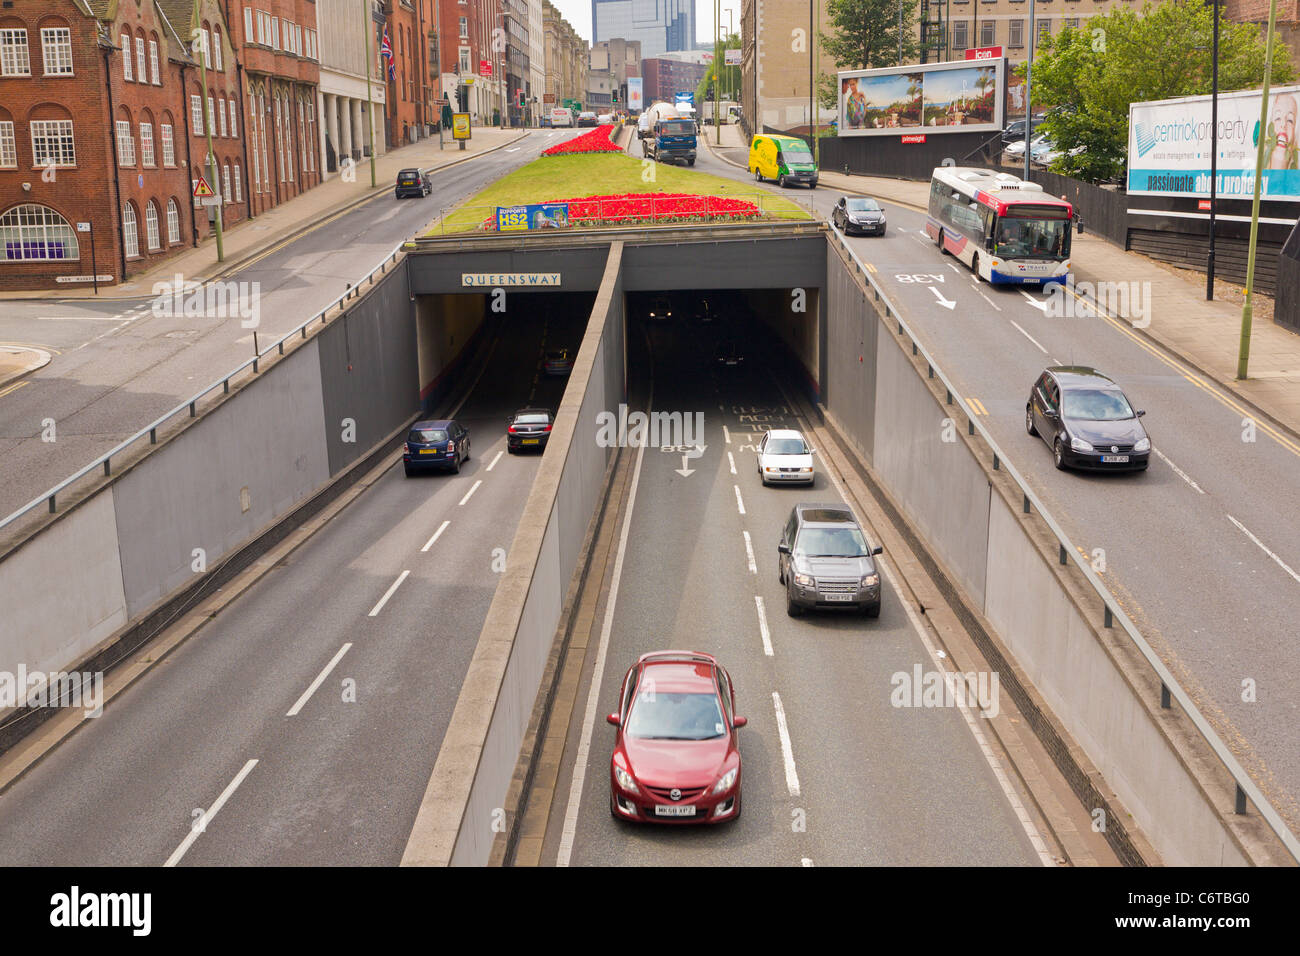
x=94 y=269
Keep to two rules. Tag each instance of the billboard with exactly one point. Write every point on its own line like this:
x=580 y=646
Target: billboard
x=533 y=216
x=1169 y=146
x=731 y=57
x=951 y=97
x=634 y=101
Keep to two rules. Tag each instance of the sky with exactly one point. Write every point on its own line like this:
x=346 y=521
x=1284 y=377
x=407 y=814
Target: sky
x=578 y=13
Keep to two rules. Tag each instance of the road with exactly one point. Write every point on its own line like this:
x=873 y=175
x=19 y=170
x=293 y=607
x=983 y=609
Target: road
x=1203 y=550
x=402 y=578
x=118 y=365
x=857 y=781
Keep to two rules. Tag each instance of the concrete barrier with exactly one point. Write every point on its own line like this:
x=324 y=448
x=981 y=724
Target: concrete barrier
x=462 y=810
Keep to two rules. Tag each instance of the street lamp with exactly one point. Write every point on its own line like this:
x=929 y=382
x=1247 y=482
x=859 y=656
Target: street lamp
x=1214 y=150
x=1029 y=101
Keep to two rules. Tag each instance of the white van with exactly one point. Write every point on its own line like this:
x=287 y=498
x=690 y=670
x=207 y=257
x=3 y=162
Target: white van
x=561 y=117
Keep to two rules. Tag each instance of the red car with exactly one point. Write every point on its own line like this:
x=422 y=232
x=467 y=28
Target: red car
x=676 y=758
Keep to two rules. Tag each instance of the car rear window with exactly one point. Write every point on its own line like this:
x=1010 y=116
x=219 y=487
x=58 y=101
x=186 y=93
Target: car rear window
x=677 y=716
x=425 y=436
x=557 y=354
x=532 y=419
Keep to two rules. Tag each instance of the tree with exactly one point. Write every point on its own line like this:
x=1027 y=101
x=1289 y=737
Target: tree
x=1089 y=76
x=730 y=76
x=866 y=33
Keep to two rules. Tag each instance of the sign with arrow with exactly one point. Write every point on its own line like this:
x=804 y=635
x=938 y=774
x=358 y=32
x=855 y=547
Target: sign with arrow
x=686 y=471
x=946 y=303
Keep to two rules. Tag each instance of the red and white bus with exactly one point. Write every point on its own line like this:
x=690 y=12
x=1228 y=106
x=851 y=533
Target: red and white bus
x=1007 y=230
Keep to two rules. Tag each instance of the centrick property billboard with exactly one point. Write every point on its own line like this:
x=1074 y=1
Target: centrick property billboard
x=1169 y=146
x=964 y=96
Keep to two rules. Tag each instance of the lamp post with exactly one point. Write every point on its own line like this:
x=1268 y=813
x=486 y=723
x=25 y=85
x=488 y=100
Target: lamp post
x=437 y=62
x=368 y=27
x=201 y=47
x=1214 y=149
x=1029 y=101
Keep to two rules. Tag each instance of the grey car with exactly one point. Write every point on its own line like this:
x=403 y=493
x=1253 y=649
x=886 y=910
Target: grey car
x=824 y=561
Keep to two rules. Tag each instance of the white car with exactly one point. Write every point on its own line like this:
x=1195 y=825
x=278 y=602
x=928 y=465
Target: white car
x=605 y=119
x=1018 y=147
x=785 y=455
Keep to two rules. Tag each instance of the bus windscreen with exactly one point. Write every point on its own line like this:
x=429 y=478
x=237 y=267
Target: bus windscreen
x=1018 y=238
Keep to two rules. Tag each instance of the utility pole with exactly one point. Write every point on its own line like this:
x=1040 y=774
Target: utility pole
x=199 y=46
x=717 y=72
x=1029 y=102
x=1214 y=151
x=437 y=63
x=1243 y=351
x=367 y=22
x=812 y=83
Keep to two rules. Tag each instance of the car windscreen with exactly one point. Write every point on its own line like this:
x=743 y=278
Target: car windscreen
x=1096 y=404
x=556 y=355
x=863 y=205
x=796 y=153
x=831 y=543
x=532 y=419
x=426 y=436
x=785 y=446
x=675 y=716
x=677 y=128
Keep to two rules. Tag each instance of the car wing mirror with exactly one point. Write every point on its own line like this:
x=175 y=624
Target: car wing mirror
x=783 y=548
x=877 y=550
x=1141 y=412
x=740 y=722
x=613 y=719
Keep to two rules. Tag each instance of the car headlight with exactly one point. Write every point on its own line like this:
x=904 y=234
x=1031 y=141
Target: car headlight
x=805 y=580
x=1078 y=444
x=625 y=779
x=806 y=471
x=727 y=780
x=1143 y=444
x=870 y=580
x=767 y=469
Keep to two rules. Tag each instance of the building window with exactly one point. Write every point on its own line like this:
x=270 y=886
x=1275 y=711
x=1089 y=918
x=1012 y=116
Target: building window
x=221 y=116
x=173 y=222
x=266 y=160
x=153 y=63
x=464 y=60
x=464 y=26
x=216 y=51
x=275 y=33
x=168 y=145
x=206 y=48
x=239 y=187
x=212 y=116
x=52 y=143
x=30 y=231
x=1044 y=30
x=234 y=129
x=248 y=25
x=151 y=226
x=194 y=184
x=56 y=51
x=302 y=132
x=130 y=233
x=988 y=35
x=146 y=144
x=225 y=183
x=1016 y=34
x=8 y=147
x=1072 y=23
x=279 y=137
x=126 y=56
x=141 y=73
x=959 y=28
x=125 y=144
x=14 y=58
x=196 y=113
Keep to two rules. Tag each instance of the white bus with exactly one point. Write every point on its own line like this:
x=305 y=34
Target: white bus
x=1007 y=230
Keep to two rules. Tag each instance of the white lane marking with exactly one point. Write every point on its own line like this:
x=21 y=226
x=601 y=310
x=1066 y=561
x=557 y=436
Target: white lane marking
x=740 y=502
x=989 y=301
x=726 y=434
x=1028 y=336
x=441 y=528
x=787 y=753
x=749 y=553
x=473 y=488
x=593 y=696
x=1177 y=471
x=1040 y=306
x=494 y=461
x=732 y=462
x=387 y=594
x=83 y=318
x=954 y=268
x=320 y=678
x=513 y=149
x=1280 y=563
x=763 y=629
x=198 y=826
x=1008 y=791
x=805 y=862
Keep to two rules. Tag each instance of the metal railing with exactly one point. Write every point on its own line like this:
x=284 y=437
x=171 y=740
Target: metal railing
x=1112 y=612
x=150 y=431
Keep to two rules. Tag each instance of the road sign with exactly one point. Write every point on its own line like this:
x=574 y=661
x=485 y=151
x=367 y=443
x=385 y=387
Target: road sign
x=484 y=67
x=83 y=227
x=83 y=278
x=202 y=189
x=984 y=53
x=731 y=57
x=210 y=200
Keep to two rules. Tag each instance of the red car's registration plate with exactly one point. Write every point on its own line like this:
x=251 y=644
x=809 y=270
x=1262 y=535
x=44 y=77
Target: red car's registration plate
x=674 y=811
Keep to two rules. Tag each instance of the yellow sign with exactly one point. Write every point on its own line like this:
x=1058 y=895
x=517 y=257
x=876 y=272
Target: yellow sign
x=460 y=126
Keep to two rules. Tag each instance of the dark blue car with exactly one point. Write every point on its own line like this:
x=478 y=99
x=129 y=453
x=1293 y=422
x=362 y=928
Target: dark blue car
x=437 y=444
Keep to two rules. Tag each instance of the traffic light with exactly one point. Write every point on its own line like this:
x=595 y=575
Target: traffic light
x=616 y=94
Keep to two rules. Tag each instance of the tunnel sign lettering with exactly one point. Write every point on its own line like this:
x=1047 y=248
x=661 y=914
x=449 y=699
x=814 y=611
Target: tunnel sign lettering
x=509 y=278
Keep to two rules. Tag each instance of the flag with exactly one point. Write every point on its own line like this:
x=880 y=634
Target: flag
x=386 y=52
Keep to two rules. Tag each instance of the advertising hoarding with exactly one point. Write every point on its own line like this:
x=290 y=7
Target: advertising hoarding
x=1169 y=146
x=634 y=93
x=960 y=96
x=533 y=216
x=731 y=57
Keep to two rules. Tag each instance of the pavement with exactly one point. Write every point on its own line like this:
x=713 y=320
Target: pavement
x=248 y=239
x=1205 y=335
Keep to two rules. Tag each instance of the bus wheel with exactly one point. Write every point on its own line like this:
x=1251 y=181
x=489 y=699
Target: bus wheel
x=975 y=267
x=939 y=242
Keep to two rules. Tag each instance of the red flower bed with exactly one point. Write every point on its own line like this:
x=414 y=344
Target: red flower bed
x=650 y=207
x=594 y=141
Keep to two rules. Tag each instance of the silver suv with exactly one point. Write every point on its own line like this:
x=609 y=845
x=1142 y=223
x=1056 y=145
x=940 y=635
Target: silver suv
x=824 y=561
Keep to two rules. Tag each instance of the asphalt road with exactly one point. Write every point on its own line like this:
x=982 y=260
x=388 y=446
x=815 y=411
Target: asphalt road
x=1203 y=550
x=118 y=366
x=340 y=781
x=861 y=782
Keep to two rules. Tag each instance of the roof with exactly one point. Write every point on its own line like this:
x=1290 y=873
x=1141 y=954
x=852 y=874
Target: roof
x=681 y=671
x=533 y=411
x=433 y=423
x=785 y=433
x=1081 y=375
x=832 y=513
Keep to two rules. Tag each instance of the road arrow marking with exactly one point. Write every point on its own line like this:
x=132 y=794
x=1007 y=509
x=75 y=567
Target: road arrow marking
x=946 y=303
x=696 y=452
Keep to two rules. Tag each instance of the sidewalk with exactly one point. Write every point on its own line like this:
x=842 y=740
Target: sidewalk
x=1203 y=334
x=254 y=237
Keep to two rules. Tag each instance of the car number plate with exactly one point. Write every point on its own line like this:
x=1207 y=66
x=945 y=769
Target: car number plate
x=427 y=451
x=1115 y=459
x=838 y=597
x=530 y=441
x=674 y=811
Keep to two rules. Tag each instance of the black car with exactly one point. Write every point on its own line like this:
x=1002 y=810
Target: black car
x=729 y=355
x=528 y=428
x=858 y=214
x=1087 y=421
x=1016 y=131
x=435 y=445
x=412 y=182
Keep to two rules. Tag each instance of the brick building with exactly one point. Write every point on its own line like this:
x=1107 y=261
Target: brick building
x=662 y=77
x=567 y=58
x=1287 y=26
x=409 y=111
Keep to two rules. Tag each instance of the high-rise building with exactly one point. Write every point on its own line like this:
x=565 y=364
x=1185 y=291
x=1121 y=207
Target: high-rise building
x=660 y=25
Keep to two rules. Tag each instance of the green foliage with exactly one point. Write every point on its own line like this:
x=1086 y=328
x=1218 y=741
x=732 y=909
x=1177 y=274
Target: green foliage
x=1090 y=75
x=865 y=33
x=730 y=77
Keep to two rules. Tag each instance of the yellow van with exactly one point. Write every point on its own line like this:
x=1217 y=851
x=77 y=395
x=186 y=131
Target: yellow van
x=787 y=159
